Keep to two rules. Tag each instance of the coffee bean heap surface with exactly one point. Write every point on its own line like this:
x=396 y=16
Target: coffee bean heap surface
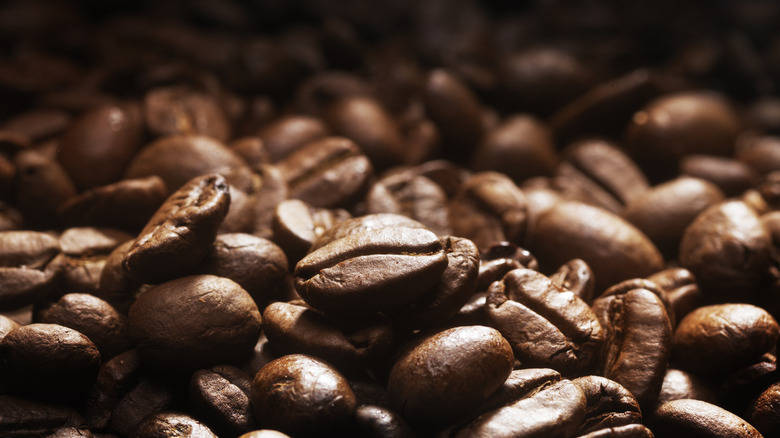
x=439 y=218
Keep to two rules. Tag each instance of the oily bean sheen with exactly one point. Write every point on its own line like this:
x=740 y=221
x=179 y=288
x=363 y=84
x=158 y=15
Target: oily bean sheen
x=181 y=233
x=167 y=424
x=718 y=339
x=612 y=247
x=302 y=396
x=194 y=322
x=699 y=419
x=371 y=271
x=546 y=325
x=426 y=388
x=728 y=250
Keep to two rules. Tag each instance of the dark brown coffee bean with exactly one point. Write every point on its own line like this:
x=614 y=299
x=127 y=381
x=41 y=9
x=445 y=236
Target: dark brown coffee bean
x=38 y=124
x=761 y=153
x=741 y=387
x=546 y=326
x=456 y=111
x=411 y=195
x=763 y=412
x=127 y=204
x=194 y=322
x=26 y=271
x=380 y=422
x=49 y=361
x=273 y=190
x=680 y=124
x=287 y=134
x=257 y=264
x=446 y=174
x=20 y=417
x=371 y=271
x=521 y=147
x=488 y=209
x=728 y=174
x=178 y=110
x=72 y=432
x=6 y=325
x=478 y=358
x=715 y=340
x=331 y=172
x=638 y=344
x=295 y=329
x=297 y=225
x=84 y=254
x=146 y=398
x=727 y=250
x=679 y=384
x=252 y=150
x=696 y=418
x=612 y=247
x=520 y=383
x=301 y=396
x=610 y=405
x=165 y=424
x=364 y=121
x=664 y=211
x=556 y=409
x=362 y=224
x=627 y=431
x=93 y=317
x=457 y=283
x=181 y=233
x=115 y=379
x=97 y=147
x=500 y=259
x=577 y=277
x=220 y=397
x=115 y=285
x=41 y=186
x=598 y=173
x=681 y=291
x=180 y=158
x=317 y=93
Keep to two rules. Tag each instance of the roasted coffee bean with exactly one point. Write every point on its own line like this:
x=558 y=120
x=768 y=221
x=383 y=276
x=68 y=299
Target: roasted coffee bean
x=193 y=322
x=614 y=249
x=369 y=223
x=165 y=424
x=555 y=409
x=302 y=396
x=21 y=417
x=696 y=418
x=577 y=277
x=598 y=173
x=680 y=124
x=727 y=250
x=146 y=398
x=718 y=339
x=681 y=291
x=127 y=204
x=546 y=325
x=10 y=218
x=760 y=152
x=446 y=174
x=317 y=93
x=25 y=267
x=115 y=379
x=180 y=158
x=440 y=392
x=488 y=209
x=72 y=432
x=679 y=384
x=256 y=264
x=741 y=387
x=84 y=254
x=331 y=172
x=364 y=121
x=728 y=174
x=763 y=412
x=220 y=397
x=41 y=186
x=521 y=147
x=456 y=111
x=379 y=422
x=115 y=285
x=38 y=124
x=627 y=431
x=183 y=229
x=411 y=195
x=177 y=110
x=49 y=361
x=6 y=325
x=294 y=328
x=287 y=134
x=265 y=433
x=97 y=147
x=297 y=225
x=665 y=211
x=93 y=317
x=273 y=190
x=500 y=259
x=252 y=150
x=638 y=341
x=610 y=405
x=371 y=271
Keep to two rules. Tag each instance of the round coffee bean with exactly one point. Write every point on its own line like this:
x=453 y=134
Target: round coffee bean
x=696 y=418
x=462 y=367
x=287 y=134
x=763 y=413
x=220 y=397
x=301 y=396
x=194 y=322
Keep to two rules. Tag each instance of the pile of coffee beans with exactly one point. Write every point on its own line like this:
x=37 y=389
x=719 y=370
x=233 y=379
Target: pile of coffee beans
x=439 y=218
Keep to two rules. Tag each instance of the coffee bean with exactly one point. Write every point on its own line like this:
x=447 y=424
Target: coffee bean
x=627 y=431
x=193 y=322
x=41 y=186
x=410 y=195
x=610 y=405
x=378 y=422
x=115 y=379
x=681 y=291
x=302 y=396
x=145 y=399
x=439 y=392
x=577 y=277
x=297 y=225
x=185 y=226
x=499 y=260
x=762 y=413
x=679 y=384
x=287 y=134
x=220 y=398
x=22 y=417
x=26 y=271
x=741 y=387
x=265 y=433
x=160 y=425
x=177 y=110
x=695 y=418
x=371 y=271
x=730 y=175
x=546 y=326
